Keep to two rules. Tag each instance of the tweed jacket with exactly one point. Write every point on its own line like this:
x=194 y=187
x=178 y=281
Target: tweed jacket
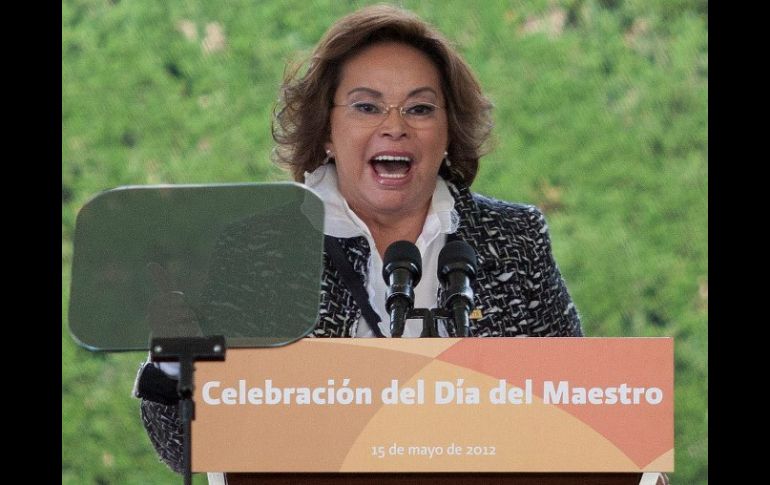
x=518 y=289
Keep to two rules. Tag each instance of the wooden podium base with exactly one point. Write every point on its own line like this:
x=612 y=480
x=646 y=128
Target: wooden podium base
x=434 y=478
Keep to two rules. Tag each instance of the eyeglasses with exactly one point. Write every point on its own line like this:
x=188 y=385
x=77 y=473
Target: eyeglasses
x=417 y=114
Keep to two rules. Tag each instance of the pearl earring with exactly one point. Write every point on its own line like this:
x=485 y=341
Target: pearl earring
x=446 y=160
x=329 y=156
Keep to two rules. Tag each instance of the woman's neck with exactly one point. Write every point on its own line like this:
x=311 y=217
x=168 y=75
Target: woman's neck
x=386 y=230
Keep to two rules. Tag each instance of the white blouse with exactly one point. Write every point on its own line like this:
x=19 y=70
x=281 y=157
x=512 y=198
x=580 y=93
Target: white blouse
x=341 y=221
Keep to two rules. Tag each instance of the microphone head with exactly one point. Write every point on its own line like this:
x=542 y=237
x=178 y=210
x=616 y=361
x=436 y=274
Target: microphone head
x=456 y=254
x=402 y=254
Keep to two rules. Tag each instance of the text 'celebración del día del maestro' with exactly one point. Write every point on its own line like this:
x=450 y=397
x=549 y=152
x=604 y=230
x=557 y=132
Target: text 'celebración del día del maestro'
x=441 y=392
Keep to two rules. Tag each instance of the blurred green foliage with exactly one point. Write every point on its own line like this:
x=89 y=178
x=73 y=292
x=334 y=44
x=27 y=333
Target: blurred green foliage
x=601 y=120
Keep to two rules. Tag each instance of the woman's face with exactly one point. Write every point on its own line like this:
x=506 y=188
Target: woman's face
x=391 y=168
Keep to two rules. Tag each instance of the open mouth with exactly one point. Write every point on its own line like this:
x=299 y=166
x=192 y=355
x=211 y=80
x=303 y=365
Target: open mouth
x=391 y=167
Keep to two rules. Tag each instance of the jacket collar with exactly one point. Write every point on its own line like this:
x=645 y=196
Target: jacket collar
x=472 y=224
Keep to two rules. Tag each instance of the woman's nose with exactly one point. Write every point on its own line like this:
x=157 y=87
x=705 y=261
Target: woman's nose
x=394 y=124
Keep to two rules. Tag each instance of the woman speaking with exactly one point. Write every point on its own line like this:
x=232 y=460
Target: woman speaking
x=387 y=124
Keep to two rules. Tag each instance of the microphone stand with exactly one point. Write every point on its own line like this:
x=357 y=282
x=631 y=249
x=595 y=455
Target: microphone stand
x=428 y=322
x=186 y=351
x=430 y=319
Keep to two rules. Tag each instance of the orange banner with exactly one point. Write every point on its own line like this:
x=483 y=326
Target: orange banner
x=440 y=405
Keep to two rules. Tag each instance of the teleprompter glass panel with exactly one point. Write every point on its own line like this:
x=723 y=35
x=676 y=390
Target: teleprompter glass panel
x=239 y=260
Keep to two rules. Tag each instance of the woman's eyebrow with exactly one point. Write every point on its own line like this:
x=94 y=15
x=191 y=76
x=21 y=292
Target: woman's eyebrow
x=371 y=91
x=377 y=94
x=421 y=90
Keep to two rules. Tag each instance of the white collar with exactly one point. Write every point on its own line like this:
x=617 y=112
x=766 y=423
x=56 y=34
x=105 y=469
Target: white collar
x=341 y=221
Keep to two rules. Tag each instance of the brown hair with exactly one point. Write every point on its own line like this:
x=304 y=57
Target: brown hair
x=301 y=125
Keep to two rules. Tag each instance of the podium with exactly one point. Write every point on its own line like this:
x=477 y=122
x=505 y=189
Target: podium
x=461 y=410
x=435 y=478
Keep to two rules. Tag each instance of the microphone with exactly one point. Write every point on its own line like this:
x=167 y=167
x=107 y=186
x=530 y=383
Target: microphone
x=402 y=269
x=456 y=271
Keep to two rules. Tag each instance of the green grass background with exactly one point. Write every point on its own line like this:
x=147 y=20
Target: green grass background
x=601 y=120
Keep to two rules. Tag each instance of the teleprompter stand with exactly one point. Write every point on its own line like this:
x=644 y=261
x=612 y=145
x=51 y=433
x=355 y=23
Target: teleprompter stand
x=186 y=351
x=210 y=248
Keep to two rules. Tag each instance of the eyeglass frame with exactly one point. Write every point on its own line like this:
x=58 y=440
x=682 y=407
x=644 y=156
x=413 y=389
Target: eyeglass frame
x=387 y=108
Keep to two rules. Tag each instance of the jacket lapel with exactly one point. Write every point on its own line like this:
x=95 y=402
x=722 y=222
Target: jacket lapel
x=338 y=313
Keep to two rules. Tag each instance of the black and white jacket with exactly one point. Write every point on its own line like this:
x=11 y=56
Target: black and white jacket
x=518 y=289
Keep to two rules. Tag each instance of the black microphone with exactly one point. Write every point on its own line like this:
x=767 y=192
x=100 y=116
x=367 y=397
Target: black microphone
x=456 y=271
x=402 y=269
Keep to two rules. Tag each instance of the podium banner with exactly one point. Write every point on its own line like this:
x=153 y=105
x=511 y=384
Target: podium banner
x=438 y=405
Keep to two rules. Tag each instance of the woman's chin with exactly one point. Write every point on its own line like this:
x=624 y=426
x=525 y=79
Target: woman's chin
x=389 y=202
